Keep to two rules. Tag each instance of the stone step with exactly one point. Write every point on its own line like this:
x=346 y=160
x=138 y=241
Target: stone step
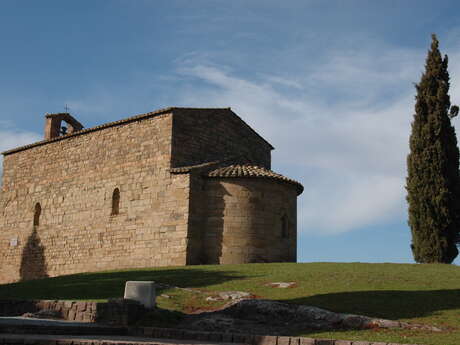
x=32 y=326
x=35 y=339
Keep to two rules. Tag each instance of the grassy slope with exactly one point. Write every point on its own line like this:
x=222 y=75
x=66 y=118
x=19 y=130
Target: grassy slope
x=428 y=294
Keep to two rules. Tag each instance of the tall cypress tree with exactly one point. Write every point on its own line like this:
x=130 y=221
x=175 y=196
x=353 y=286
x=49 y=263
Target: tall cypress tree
x=433 y=181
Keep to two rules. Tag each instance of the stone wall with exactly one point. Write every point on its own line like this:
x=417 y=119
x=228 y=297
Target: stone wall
x=104 y=198
x=72 y=181
x=245 y=218
x=197 y=218
x=238 y=338
x=202 y=135
x=118 y=312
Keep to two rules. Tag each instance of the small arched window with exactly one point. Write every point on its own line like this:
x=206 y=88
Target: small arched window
x=284 y=226
x=37 y=213
x=115 y=202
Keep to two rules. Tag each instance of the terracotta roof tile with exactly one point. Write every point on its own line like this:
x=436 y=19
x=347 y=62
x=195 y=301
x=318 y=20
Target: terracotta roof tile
x=207 y=166
x=189 y=168
x=251 y=171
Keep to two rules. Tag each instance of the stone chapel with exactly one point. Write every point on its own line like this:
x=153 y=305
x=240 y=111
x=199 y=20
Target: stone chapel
x=177 y=186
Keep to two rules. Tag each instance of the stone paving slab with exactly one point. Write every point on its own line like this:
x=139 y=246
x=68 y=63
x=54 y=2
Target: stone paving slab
x=32 y=339
x=23 y=331
x=25 y=321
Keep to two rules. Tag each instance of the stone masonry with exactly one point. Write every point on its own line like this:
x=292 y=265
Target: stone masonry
x=138 y=193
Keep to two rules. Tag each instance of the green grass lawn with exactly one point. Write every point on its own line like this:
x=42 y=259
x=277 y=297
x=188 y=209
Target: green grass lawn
x=426 y=294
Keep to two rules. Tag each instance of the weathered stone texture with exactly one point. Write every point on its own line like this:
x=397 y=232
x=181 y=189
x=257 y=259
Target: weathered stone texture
x=119 y=312
x=73 y=180
x=212 y=134
x=243 y=221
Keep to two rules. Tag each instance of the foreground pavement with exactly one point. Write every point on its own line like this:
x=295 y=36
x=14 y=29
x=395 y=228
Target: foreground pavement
x=42 y=339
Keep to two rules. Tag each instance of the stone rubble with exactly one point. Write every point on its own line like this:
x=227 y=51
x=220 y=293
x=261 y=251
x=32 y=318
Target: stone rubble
x=258 y=316
x=229 y=295
x=282 y=285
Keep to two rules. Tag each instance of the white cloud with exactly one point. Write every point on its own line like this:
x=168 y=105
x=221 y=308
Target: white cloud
x=342 y=129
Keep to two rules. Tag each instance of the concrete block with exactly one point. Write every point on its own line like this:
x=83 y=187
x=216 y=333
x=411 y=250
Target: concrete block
x=141 y=291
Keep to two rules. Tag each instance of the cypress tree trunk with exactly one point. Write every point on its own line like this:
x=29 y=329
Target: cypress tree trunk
x=433 y=182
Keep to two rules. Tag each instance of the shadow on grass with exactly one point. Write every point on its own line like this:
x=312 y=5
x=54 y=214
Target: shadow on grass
x=104 y=285
x=388 y=304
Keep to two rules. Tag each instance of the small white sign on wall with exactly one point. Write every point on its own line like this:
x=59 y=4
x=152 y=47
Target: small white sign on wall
x=14 y=242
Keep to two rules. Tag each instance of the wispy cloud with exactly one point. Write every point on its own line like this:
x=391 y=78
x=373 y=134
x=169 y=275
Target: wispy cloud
x=341 y=128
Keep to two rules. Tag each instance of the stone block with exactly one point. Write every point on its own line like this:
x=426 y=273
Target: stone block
x=325 y=342
x=214 y=336
x=88 y=316
x=306 y=341
x=239 y=338
x=295 y=341
x=157 y=332
x=202 y=336
x=79 y=316
x=142 y=292
x=264 y=340
x=27 y=342
x=81 y=306
x=71 y=315
x=249 y=339
x=148 y=331
x=227 y=338
x=191 y=335
x=284 y=340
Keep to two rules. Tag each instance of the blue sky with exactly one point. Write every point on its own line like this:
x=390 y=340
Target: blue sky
x=328 y=83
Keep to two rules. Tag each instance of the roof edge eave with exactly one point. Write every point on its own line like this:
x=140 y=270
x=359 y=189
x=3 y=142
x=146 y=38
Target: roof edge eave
x=297 y=185
x=124 y=121
x=92 y=129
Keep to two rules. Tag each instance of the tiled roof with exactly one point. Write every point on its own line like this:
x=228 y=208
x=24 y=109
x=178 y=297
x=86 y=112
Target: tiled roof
x=188 y=168
x=206 y=166
x=251 y=171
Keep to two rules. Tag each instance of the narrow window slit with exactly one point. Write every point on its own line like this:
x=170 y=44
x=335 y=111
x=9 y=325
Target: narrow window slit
x=116 y=202
x=37 y=213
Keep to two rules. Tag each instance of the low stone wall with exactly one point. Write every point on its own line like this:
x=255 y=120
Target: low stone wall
x=180 y=334
x=118 y=312
x=185 y=337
